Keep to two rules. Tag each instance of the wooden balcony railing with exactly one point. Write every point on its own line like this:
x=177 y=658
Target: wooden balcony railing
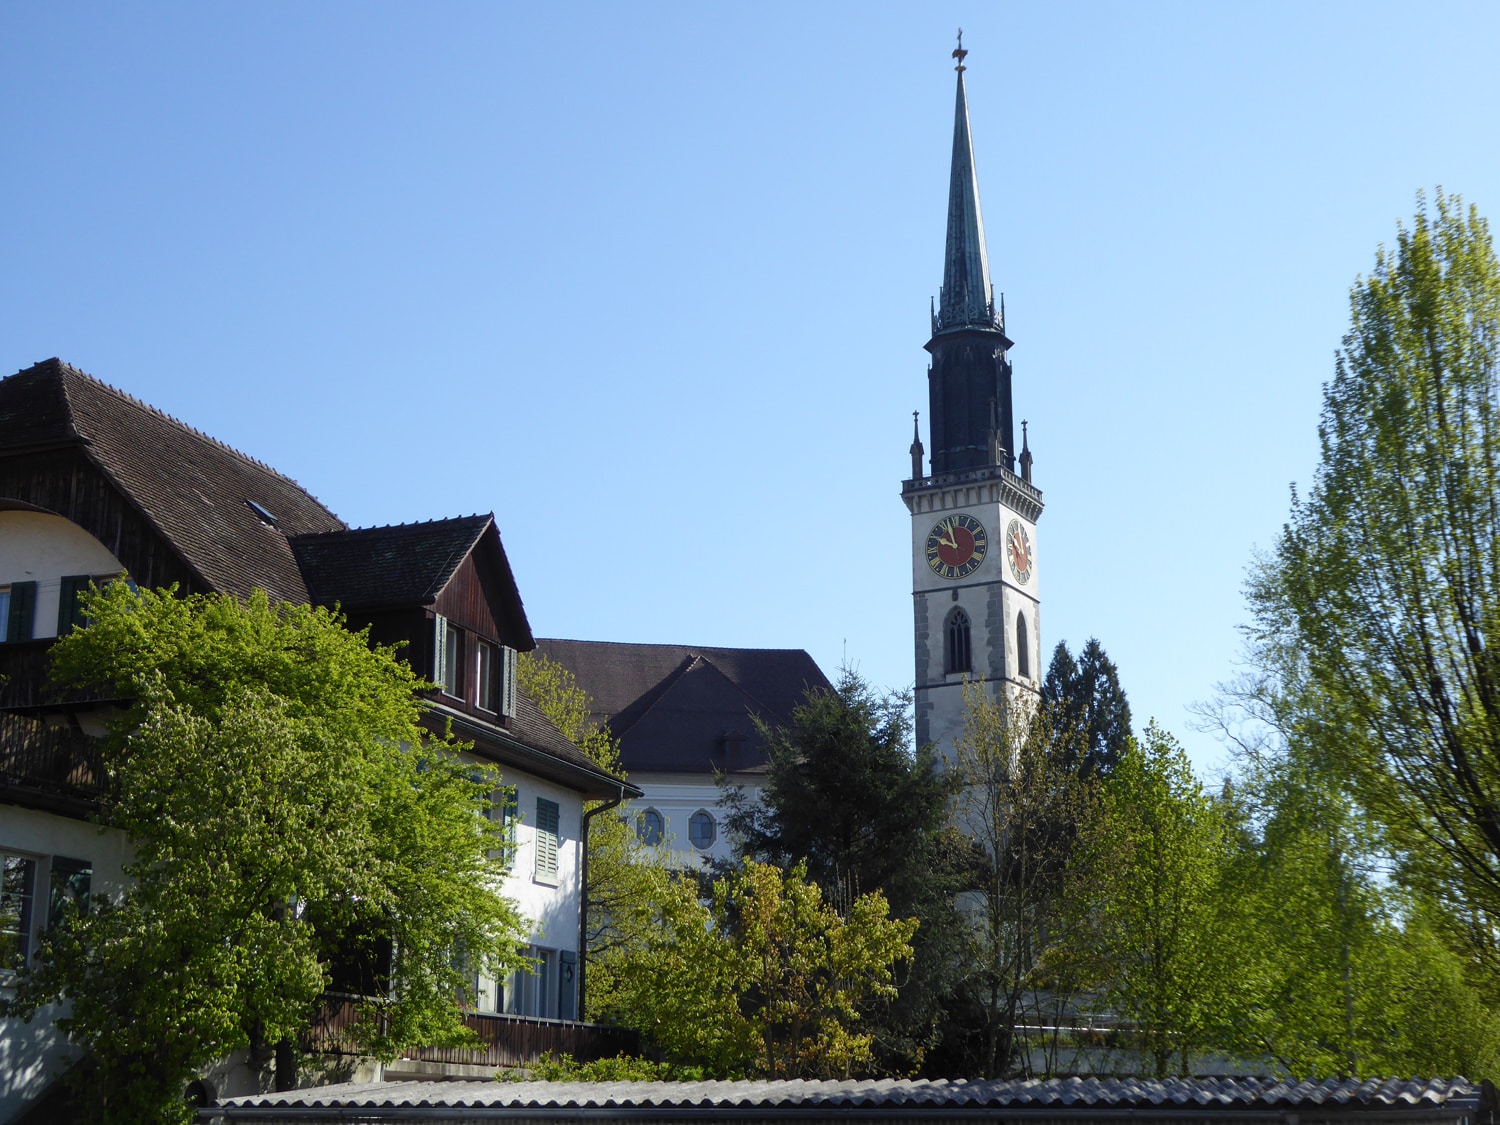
x=505 y=1040
x=50 y=767
x=24 y=666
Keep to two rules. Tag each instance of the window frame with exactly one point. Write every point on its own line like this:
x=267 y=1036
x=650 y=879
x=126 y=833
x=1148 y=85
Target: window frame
x=713 y=830
x=24 y=931
x=484 y=675
x=643 y=833
x=958 y=633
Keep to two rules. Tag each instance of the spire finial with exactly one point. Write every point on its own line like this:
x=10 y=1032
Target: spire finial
x=960 y=53
x=916 y=448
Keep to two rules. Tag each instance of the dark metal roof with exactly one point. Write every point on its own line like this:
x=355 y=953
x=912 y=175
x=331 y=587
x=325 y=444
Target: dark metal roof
x=966 y=299
x=401 y=564
x=190 y=488
x=1074 y=1099
x=671 y=705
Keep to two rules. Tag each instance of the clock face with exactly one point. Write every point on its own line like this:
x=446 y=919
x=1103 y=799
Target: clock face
x=1018 y=550
x=956 y=546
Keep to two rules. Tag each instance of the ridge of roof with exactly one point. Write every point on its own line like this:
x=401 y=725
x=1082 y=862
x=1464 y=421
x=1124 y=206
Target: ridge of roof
x=65 y=368
x=668 y=644
x=346 y=531
x=1074 y=1097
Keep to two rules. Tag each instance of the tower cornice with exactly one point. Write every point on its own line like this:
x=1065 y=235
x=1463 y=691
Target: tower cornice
x=988 y=484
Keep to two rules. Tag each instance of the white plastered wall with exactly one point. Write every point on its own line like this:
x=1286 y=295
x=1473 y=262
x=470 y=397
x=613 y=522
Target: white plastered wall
x=31 y=1054
x=43 y=548
x=973 y=594
x=677 y=796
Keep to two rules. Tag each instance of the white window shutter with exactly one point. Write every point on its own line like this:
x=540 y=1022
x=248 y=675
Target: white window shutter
x=508 y=682
x=439 y=649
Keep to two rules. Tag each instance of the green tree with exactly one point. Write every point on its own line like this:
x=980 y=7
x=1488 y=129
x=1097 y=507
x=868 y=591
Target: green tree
x=765 y=979
x=1387 y=576
x=1341 y=974
x=1021 y=804
x=626 y=880
x=283 y=803
x=1344 y=972
x=846 y=794
x=1154 y=859
x=1085 y=696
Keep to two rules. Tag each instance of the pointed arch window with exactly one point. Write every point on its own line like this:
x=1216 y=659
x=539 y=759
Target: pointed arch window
x=1023 y=647
x=960 y=647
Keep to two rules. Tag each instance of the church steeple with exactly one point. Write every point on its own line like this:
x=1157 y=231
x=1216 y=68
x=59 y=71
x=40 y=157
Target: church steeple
x=969 y=395
x=967 y=296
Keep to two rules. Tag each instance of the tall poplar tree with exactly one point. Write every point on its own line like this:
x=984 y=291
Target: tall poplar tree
x=1386 y=578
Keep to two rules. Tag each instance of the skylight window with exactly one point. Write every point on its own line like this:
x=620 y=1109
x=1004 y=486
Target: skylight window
x=265 y=516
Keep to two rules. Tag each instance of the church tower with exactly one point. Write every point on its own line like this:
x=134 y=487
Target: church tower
x=974 y=565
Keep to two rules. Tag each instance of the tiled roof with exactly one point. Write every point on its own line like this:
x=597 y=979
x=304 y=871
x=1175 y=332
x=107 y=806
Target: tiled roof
x=1067 y=1097
x=670 y=705
x=197 y=493
x=191 y=488
x=403 y=564
x=529 y=727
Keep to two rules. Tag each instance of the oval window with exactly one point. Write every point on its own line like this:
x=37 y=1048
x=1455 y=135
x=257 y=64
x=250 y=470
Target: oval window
x=650 y=827
x=702 y=830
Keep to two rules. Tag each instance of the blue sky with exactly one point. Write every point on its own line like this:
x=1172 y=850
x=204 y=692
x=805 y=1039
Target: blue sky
x=651 y=281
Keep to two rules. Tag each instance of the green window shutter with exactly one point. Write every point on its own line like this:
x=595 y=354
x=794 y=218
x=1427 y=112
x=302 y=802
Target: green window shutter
x=68 y=612
x=439 y=649
x=508 y=682
x=22 y=616
x=546 y=837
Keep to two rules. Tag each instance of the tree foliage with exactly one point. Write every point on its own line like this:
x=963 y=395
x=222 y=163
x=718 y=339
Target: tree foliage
x=846 y=795
x=625 y=879
x=764 y=979
x=1387 y=576
x=1085 y=697
x=1154 y=861
x=284 y=804
x=1021 y=803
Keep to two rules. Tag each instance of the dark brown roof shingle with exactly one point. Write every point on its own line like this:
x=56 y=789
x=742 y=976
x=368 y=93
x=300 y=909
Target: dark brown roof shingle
x=192 y=489
x=403 y=564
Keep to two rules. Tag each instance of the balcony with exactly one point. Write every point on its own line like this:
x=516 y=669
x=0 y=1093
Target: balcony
x=49 y=767
x=505 y=1040
x=23 y=679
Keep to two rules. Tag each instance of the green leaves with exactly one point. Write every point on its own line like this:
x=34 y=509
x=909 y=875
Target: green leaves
x=285 y=805
x=766 y=979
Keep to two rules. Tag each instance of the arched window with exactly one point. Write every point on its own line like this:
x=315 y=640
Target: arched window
x=650 y=827
x=959 y=648
x=1023 y=647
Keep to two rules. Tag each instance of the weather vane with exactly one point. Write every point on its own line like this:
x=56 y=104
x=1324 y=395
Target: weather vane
x=959 y=53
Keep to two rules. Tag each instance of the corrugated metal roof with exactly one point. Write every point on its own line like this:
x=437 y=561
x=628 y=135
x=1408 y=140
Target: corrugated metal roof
x=1071 y=1094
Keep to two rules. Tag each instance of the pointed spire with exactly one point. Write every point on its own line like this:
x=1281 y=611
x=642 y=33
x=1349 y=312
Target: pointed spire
x=1025 y=454
x=967 y=298
x=916 y=448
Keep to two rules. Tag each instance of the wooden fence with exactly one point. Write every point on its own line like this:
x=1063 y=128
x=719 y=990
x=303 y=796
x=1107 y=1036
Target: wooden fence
x=504 y=1040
